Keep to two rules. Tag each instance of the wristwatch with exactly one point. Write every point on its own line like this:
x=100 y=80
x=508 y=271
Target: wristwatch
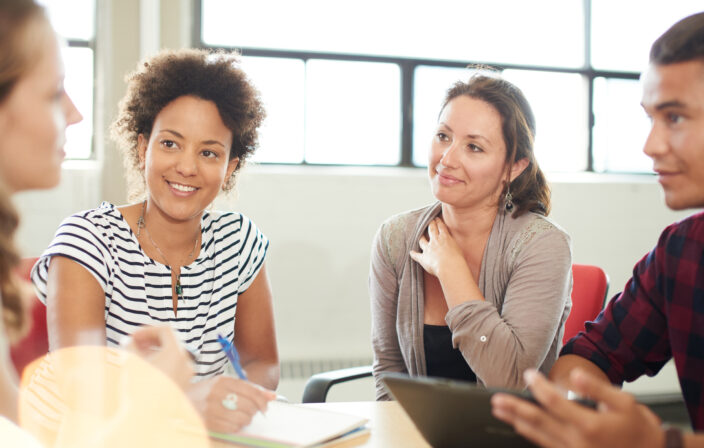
x=673 y=437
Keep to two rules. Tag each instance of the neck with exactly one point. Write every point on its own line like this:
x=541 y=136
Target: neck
x=172 y=236
x=468 y=224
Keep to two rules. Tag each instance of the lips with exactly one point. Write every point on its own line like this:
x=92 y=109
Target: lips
x=181 y=187
x=446 y=179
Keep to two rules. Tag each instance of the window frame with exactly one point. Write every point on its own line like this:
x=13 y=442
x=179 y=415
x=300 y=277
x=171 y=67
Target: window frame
x=407 y=68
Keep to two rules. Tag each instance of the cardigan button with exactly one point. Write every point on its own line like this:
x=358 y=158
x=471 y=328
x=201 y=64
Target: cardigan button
x=482 y=338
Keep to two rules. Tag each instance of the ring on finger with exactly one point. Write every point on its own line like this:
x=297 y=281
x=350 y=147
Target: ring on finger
x=230 y=401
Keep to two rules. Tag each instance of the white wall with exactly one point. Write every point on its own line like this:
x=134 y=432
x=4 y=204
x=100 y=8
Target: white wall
x=321 y=221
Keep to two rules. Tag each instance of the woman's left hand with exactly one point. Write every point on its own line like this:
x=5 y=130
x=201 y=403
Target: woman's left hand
x=440 y=255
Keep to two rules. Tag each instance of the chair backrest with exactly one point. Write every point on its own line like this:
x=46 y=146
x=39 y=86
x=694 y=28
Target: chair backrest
x=36 y=342
x=589 y=288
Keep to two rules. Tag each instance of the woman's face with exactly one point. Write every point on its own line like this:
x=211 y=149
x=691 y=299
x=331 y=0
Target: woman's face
x=467 y=158
x=186 y=159
x=33 y=121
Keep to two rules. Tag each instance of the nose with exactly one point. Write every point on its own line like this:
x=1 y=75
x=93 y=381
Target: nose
x=449 y=155
x=71 y=113
x=187 y=165
x=656 y=143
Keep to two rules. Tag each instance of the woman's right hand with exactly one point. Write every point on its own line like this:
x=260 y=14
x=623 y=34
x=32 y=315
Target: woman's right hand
x=208 y=396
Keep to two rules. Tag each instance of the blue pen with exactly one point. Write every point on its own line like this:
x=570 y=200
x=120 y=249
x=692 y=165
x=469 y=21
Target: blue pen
x=234 y=357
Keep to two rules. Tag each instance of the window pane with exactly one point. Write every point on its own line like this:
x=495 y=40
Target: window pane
x=623 y=31
x=72 y=19
x=559 y=103
x=353 y=113
x=79 y=86
x=620 y=127
x=282 y=86
x=511 y=31
x=431 y=84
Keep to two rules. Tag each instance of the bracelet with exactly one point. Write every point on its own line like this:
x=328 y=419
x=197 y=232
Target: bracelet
x=673 y=437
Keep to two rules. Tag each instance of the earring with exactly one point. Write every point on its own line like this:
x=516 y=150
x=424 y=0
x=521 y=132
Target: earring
x=508 y=199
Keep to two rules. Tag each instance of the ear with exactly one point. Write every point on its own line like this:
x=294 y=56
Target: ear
x=518 y=167
x=142 y=143
x=231 y=167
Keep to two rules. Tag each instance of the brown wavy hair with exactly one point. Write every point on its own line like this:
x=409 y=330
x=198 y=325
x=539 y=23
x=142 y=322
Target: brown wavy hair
x=530 y=190
x=20 y=22
x=213 y=76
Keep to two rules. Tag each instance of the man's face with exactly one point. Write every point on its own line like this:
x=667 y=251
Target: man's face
x=673 y=98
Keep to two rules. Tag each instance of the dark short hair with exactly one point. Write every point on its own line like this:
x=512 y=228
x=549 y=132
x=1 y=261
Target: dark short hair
x=530 y=190
x=683 y=41
x=213 y=76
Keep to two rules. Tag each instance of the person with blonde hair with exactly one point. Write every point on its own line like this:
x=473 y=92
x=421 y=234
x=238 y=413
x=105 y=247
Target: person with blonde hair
x=34 y=114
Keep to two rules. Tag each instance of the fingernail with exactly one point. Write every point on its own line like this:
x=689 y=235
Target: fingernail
x=529 y=376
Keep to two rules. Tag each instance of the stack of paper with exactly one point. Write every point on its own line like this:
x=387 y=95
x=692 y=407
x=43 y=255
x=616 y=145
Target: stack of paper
x=289 y=425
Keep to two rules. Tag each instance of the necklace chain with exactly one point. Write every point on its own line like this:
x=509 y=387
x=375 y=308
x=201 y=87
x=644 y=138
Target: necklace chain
x=141 y=224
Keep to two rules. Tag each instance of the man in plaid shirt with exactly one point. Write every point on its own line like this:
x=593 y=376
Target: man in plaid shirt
x=660 y=314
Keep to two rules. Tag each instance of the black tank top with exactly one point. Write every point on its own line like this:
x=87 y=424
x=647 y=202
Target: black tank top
x=441 y=359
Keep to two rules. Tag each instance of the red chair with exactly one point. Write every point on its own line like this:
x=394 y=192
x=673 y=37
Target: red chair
x=590 y=285
x=36 y=341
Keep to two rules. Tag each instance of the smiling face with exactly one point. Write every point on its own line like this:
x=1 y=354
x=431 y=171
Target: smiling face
x=185 y=161
x=673 y=97
x=467 y=158
x=34 y=117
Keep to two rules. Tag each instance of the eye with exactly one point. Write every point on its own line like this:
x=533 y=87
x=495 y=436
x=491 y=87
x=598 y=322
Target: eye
x=168 y=143
x=474 y=148
x=209 y=154
x=673 y=118
x=441 y=136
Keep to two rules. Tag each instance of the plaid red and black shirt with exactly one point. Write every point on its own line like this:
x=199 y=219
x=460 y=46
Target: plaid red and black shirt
x=659 y=315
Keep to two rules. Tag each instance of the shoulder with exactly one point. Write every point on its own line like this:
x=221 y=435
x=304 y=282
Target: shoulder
x=406 y=223
x=226 y=225
x=532 y=229
x=105 y=217
x=684 y=236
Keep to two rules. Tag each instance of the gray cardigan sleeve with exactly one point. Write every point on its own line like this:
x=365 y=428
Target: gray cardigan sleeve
x=500 y=343
x=383 y=292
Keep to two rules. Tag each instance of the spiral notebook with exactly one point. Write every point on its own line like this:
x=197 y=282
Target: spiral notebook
x=287 y=425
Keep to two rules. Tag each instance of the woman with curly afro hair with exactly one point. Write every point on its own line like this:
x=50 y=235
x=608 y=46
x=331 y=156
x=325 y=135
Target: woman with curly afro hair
x=186 y=126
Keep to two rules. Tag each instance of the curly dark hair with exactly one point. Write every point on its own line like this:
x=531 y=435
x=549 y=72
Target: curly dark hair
x=530 y=189
x=210 y=75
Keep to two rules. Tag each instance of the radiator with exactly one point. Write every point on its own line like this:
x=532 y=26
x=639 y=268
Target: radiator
x=305 y=368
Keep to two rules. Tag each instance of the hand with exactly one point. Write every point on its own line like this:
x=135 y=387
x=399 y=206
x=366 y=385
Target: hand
x=162 y=349
x=207 y=397
x=618 y=421
x=440 y=254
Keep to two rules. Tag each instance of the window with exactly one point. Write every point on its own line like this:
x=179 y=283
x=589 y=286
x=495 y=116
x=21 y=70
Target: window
x=362 y=82
x=74 y=21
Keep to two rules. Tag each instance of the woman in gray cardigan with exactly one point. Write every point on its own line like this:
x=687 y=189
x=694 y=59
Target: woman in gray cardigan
x=476 y=286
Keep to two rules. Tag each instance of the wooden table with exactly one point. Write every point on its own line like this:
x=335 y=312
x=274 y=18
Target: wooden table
x=390 y=427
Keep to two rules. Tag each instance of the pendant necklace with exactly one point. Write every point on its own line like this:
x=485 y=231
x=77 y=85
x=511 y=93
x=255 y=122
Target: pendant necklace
x=142 y=225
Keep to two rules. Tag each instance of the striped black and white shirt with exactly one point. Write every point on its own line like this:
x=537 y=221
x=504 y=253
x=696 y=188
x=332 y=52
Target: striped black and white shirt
x=138 y=289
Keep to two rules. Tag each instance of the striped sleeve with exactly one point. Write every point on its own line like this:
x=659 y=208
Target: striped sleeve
x=252 y=253
x=81 y=239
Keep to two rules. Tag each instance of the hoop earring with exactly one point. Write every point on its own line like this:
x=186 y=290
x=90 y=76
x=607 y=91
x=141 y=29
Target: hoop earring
x=508 y=199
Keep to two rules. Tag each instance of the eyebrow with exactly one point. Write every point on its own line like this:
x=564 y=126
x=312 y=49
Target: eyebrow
x=474 y=136
x=670 y=104
x=204 y=142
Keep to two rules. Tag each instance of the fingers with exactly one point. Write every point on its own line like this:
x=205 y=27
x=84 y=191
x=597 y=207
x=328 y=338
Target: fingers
x=527 y=419
x=148 y=338
x=600 y=391
x=423 y=243
x=227 y=404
